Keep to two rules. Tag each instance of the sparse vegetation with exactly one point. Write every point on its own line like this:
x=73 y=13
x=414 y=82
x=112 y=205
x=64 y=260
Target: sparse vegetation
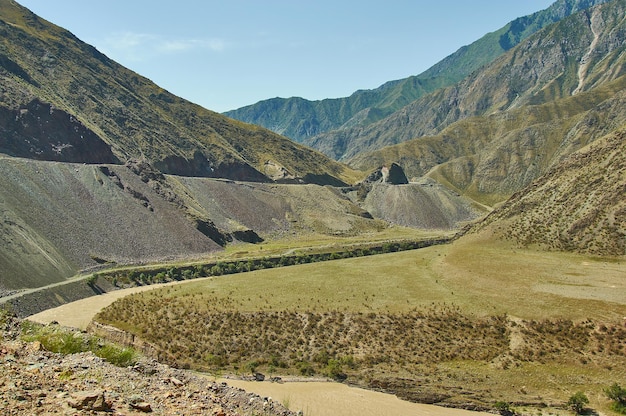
x=211 y=332
x=67 y=341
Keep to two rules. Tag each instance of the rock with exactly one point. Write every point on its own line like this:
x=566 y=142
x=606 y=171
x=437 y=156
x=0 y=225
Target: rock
x=36 y=382
x=142 y=406
x=89 y=400
x=176 y=382
x=259 y=377
x=393 y=175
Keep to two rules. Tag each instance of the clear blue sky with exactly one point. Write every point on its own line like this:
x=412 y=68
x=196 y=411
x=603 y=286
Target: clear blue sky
x=230 y=53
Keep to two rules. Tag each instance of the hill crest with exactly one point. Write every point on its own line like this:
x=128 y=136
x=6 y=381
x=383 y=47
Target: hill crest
x=42 y=64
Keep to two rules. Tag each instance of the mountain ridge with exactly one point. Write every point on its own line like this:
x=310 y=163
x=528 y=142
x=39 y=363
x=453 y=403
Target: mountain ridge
x=515 y=118
x=42 y=62
x=301 y=119
x=577 y=205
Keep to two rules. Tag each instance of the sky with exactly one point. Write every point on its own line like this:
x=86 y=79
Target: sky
x=228 y=54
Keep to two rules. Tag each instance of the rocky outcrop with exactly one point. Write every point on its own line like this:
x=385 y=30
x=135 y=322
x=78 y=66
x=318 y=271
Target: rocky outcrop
x=36 y=381
x=392 y=174
x=40 y=131
x=122 y=338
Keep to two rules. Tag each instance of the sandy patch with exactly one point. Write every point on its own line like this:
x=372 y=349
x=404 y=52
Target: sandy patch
x=323 y=398
x=78 y=314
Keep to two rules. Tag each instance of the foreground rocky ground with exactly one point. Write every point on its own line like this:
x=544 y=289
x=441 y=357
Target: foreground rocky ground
x=34 y=381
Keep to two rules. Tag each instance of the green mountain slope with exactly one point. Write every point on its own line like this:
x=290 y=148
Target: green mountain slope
x=50 y=76
x=577 y=54
x=301 y=119
x=496 y=137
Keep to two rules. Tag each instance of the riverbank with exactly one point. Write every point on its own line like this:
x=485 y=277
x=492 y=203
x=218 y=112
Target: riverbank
x=312 y=398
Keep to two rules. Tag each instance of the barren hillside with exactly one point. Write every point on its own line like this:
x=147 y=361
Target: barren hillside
x=578 y=205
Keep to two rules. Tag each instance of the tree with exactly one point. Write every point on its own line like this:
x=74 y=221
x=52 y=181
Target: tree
x=577 y=402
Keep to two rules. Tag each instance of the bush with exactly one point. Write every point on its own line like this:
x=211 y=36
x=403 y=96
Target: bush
x=121 y=357
x=306 y=369
x=618 y=395
x=504 y=408
x=334 y=370
x=577 y=402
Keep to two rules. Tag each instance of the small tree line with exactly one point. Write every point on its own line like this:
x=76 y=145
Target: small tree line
x=140 y=277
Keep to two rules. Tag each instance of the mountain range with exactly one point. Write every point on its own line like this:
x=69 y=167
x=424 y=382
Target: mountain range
x=304 y=120
x=101 y=167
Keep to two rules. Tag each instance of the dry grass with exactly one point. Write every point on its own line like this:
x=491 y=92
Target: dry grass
x=473 y=323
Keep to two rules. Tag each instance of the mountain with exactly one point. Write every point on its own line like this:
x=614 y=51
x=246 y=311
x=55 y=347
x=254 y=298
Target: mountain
x=503 y=126
x=101 y=167
x=302 y=119
x=577 y=206
x=63 y=100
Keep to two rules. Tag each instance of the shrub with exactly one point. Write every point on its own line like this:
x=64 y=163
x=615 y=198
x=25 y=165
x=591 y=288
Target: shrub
x=577 y=402
x=504 y=408
x=305 y=368
x=618 y=395
x=121 y=357
x=52 y=339
x=334 y=370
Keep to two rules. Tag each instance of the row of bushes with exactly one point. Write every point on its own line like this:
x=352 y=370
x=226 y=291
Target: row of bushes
x=134 y=277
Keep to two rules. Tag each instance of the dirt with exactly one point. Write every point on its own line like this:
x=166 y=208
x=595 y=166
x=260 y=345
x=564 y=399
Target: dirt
x=323 y=398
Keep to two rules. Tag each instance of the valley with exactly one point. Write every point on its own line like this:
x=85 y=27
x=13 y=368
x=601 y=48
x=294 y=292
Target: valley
x=528 y=294
x=456 y=238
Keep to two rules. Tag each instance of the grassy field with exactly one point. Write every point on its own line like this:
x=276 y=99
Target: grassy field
x=465 y=324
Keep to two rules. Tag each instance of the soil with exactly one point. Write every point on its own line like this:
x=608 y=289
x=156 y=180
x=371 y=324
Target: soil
x=324 y=398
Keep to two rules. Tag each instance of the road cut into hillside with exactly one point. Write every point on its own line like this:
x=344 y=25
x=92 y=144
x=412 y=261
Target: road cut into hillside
x=315 y=398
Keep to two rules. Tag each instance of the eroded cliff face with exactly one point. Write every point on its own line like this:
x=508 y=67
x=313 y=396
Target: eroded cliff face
x=39 y=131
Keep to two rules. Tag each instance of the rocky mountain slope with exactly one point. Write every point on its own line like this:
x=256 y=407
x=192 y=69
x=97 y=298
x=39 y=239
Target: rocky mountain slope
x=301 y=119
x=505 y=125
x=578 y=54
x=59 y=218
x=577 y=206
x=62 y=100
x=37 y=381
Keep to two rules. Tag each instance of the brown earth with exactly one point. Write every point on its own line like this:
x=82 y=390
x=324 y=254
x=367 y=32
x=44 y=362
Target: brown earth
x=35 y=381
